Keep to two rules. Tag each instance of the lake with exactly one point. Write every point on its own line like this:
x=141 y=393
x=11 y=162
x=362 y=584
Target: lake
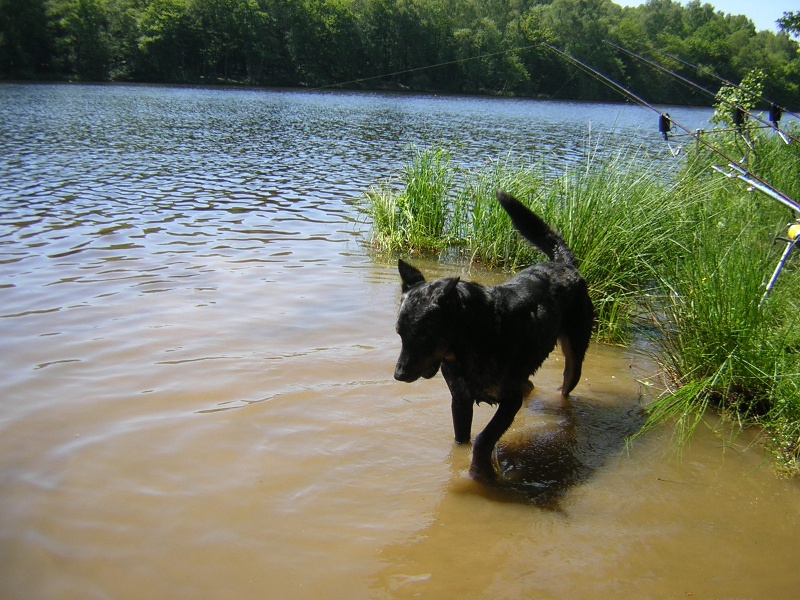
x=196 y=391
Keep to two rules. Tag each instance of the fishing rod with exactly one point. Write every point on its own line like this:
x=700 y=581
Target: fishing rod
x=736 y=168
x=739 y=112
x=709 y=72
x=665 y=121
x=598 y=75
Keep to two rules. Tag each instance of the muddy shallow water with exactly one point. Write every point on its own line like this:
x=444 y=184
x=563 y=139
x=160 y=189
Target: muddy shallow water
x=197 y=399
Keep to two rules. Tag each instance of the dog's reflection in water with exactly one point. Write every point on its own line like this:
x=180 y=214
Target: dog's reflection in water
x=556 y=446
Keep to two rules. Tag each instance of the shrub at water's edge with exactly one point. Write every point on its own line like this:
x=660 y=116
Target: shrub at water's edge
x=681 y=263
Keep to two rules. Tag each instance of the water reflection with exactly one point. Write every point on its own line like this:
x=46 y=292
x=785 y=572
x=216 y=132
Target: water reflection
x=563 y=444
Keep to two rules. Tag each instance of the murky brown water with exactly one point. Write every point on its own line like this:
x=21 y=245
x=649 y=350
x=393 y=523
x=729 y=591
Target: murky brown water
x=197 y=397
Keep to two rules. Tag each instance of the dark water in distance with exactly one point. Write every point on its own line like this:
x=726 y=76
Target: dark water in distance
x=196 y=393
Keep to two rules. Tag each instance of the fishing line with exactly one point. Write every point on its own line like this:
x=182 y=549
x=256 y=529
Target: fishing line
x=415 y=69
x=754 y=180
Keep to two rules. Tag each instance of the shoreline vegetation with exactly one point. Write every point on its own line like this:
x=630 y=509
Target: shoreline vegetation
x=495 y=47
x=676 y=266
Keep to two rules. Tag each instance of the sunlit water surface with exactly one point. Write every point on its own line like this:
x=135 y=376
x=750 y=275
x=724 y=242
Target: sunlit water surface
x=197 y=397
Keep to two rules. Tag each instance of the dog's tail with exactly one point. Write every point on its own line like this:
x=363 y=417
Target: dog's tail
x=535 y=230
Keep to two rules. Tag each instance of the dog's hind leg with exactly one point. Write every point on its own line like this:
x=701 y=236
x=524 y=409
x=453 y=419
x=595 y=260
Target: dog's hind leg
x=572 y=366
x=574 y=343
x=482 y=467
x=461 y=404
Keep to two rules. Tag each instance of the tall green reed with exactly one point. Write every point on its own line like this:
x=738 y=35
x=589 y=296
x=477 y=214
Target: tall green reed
x=616 y=216
x=482 y=228
x=413 y=218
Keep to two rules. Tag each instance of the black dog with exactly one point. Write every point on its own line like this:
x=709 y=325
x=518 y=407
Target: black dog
x=489 y=340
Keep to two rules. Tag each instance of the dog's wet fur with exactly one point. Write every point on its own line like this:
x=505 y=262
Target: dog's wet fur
x=488 y=341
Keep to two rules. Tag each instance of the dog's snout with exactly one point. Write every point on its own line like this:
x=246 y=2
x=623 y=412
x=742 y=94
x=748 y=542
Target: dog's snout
x=400 y=374
x=403 y=373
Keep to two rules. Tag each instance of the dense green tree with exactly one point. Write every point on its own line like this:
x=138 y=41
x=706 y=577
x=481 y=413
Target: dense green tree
x=546 y=70
x=165 y=41
x=483 y=46
x=25 y=42
x=224 y=32
x=324 y=41
x=580 y=28
x=790 y=22
x=123 y=27
x=82 y=39
x=404 y=35
x=269 y=58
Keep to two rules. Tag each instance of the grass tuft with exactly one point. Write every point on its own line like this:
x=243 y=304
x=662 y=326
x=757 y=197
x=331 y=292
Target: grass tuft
x=413 y=218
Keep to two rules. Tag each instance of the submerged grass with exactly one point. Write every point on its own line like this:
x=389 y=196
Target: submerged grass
x=682 y=263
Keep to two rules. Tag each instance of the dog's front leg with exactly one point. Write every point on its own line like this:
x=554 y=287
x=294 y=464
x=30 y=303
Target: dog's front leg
x=482 y=467
x=461 y=404
x=461 y=407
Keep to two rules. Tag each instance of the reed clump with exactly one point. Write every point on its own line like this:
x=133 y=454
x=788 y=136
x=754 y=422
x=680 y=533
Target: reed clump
x=679 y=264
x=413 y=216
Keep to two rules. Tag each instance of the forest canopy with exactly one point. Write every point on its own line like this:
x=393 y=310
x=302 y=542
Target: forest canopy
x=459 y=46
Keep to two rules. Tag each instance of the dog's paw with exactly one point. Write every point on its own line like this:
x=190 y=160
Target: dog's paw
x=483 y=472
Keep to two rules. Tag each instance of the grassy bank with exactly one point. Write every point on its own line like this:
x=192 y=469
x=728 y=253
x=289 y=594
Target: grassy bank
x=679 y=263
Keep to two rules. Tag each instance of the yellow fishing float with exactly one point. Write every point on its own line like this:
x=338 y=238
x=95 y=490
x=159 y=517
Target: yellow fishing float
x=794 y=231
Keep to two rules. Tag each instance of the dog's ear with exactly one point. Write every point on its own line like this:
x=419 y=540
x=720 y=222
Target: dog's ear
x=409 y=275
x=447 y=293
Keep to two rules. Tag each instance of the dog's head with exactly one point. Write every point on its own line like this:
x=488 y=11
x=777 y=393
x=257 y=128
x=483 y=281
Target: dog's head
x=425 y=323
